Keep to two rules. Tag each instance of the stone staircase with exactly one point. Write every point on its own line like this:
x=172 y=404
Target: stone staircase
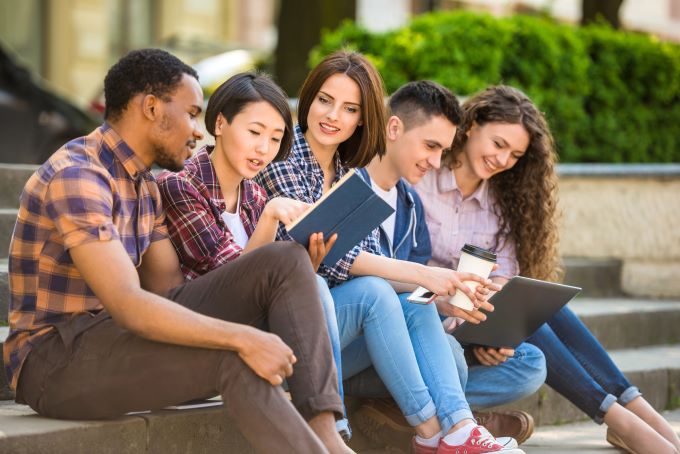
x=641 y=334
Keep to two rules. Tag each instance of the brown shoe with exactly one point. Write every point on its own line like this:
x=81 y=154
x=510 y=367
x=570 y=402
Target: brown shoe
x=383 y=423
x=507 y=423
x=616 y=441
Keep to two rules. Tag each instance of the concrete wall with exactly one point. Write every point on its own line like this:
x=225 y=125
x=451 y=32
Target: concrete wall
x=631 y=213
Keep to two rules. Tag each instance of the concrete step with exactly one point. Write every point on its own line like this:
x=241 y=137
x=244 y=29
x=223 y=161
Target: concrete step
x=581 y=438
x=4 y=291
x=5 y=392
x=165 y=431
x=8 y=217
x=599 y=278
x=13 y=177
x=627 y=323
x=655 y=370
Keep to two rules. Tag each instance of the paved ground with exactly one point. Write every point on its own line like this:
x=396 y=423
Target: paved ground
x=581 y=438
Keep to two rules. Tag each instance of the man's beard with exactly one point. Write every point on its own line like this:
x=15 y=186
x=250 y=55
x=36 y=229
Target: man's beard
x=165 y=160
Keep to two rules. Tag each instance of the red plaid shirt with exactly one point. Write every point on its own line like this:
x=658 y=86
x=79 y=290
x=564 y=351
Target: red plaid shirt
x=194 y=205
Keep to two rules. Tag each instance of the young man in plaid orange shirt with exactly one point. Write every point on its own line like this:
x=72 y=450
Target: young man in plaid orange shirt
x=101 y=320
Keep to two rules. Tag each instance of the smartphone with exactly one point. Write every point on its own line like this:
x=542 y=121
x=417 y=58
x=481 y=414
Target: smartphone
x=421 y=296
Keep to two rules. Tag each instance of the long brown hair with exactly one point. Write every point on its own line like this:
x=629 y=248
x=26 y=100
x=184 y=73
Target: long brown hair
x=526 y=194
x=369 y=137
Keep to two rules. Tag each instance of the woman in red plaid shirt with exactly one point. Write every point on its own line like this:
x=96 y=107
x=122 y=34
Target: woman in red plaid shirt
x=215 y=213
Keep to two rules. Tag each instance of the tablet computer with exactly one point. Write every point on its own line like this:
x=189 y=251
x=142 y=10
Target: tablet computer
x=520 y=308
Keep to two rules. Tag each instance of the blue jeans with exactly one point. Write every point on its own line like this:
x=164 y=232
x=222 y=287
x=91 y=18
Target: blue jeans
x=332 y=324
x=485 y=387
x=512 y=380
x=579 y=368
x=406 y=345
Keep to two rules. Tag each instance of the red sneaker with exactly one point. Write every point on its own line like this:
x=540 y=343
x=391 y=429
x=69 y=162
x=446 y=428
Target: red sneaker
x=420 y=449
x=480 y=441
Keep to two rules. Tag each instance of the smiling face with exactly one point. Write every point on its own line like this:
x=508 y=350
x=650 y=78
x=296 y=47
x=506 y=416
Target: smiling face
x=413 y=152
x=334 y=114
x=251 y=140
x=493 y=148
x=176 y=131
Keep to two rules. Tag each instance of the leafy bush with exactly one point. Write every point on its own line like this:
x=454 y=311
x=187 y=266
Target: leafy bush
x=610 y=96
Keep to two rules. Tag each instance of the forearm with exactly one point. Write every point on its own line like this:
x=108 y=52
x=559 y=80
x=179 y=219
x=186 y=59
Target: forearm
x=402 y=287
x=156 y=318
x=264 y=233
x=400 y=271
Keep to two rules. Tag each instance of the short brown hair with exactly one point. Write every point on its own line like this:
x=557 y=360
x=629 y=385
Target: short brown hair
x=369 y=138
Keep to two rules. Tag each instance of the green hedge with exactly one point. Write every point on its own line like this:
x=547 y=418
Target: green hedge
x=610 y=96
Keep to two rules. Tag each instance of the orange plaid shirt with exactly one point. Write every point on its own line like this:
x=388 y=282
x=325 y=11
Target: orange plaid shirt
x=94 y=188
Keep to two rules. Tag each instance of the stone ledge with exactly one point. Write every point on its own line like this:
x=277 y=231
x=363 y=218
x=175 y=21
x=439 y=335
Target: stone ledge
x=656 y=171
x=8 y=217
x=23 y=432
x=13 y=177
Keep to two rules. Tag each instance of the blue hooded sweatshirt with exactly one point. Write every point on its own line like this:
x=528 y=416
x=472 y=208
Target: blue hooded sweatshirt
x=411 y=237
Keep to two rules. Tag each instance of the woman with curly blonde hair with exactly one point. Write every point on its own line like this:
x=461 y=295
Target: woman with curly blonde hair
x=497 y=189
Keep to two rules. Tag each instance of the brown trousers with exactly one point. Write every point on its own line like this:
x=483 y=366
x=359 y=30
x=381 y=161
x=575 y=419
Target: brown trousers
x=90 y=368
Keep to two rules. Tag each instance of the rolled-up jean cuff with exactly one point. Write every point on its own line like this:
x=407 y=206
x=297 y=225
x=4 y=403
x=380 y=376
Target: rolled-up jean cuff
x=320 y=404
x=343 y=424
x=628 y=395
x=451 y=420
x=606 y=404
x=423 y=415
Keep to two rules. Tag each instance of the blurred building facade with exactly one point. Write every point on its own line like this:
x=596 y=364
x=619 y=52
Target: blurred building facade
x=659 y=17
x=72 y=43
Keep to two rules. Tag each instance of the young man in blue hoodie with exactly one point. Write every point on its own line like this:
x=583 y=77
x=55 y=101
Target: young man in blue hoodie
x=423 y=120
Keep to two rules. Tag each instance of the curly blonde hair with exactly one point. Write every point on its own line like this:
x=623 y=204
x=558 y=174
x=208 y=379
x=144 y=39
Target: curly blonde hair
x=526 y=194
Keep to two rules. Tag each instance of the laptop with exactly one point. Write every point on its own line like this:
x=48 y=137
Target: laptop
x=520 y=308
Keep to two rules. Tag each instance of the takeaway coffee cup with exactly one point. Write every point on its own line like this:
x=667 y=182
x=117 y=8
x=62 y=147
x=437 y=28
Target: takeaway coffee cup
x=474 y=260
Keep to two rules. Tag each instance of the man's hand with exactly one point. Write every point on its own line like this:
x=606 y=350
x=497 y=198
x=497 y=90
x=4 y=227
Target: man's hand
x=488 y=356
x=267 y=355
x=474 y=316
x=318 y=249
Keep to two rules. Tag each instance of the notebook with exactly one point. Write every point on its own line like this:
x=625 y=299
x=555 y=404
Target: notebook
x=350 y=208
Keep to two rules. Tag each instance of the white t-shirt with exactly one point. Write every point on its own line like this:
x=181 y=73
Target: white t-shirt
x=235 y=225
x=391 y=198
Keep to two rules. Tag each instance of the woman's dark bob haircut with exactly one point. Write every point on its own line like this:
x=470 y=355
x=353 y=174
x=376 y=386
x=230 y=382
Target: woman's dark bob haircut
x=238 y=91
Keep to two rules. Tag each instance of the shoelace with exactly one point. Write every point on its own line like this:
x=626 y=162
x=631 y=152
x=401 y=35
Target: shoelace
x=486 y=440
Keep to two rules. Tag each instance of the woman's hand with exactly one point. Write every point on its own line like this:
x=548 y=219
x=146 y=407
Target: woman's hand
x=484 y=292
x=318 y=249
x=443 y=281
x=284 y=210
x=488 y=356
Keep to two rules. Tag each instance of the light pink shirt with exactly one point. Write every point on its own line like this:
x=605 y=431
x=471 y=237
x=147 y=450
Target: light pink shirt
x=454 y=221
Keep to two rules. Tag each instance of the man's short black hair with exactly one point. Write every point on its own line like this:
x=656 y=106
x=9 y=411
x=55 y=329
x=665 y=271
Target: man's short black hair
x=149 y=71
x=417 y=102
